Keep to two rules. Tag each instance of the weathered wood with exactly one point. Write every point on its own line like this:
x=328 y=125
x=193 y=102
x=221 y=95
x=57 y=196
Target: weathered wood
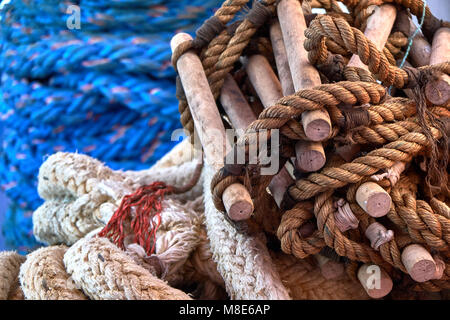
x=420 y=51
x=304 y=74
x=378 y=29
x=375 y=280
x=241 y=115
x=437 y=90
x=209 y=125
x=235 y=105
x=279 y=51
x=373 y=199
x=419 y=263
x=317 y=124
x=310 y=156
x=263 y=79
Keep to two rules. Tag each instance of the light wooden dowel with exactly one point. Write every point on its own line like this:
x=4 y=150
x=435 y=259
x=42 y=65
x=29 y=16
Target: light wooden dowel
x=375 y=280
x=440 y=49
x=293 y=26
x=419 y=263
x=420 y=51
x=263 y=79
x=310 y=156
x=209 y=126
x=241 y=115
x=279 y=185
x=330 y=269
x=279 y=51
x=373 y=199
x=235 y=105
x=438 y=90
x=317 y=124
x=304 y=74
x=378 y=29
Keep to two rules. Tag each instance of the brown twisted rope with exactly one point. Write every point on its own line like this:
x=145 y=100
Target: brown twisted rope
x=387 y=129
x=417 y=216
x=403 y=149
x=293 y=232
x=260 y=12
x=222 y=16
x=431 y=23
x=291 y=107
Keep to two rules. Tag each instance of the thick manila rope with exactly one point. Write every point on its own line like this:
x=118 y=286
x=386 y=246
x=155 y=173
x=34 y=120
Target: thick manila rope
x=79 y=188
x=16 y=292
x=44 y=277
x=178 y=235
x=105 y=272
x=201 y=268
x=305 y=281
x=10 y=263
x=183 y=250
x=181 y=153
x=56 y=208
x=242 y=260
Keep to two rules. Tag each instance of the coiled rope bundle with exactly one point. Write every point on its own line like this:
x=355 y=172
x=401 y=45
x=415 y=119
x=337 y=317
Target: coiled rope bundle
x=371 y=185
x=105 y=89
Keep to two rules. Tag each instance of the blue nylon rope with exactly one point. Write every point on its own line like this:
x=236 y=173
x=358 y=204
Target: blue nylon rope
x=106 y=90
x=411 y=38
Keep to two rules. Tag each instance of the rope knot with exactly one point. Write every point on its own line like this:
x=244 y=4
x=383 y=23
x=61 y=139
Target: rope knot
x=258 y=14
x=378 y=235
x=392 y=173
x=344 y=217
x=207 y=31
x=355 y=117
x=417 y=77
x=333 y=67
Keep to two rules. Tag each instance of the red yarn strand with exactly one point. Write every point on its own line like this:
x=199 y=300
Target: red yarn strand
x=147 y=204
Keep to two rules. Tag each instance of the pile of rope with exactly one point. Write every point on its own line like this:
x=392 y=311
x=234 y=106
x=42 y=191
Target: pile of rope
x=386 y=131
x=164 y=231
x=81 y=197
x=105 y=89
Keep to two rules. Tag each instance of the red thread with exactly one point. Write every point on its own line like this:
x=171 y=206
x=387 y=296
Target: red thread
x=147 y=204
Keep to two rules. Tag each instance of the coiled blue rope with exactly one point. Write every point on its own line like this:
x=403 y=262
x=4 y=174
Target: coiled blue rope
x=106 y=89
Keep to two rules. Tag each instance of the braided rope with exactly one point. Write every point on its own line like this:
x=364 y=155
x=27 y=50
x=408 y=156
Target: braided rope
x=81 y=194
x=305 y=281
x=423 y=225
x=44 y=277
x=10 y=262
x=103 y=271
x=291 y=107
